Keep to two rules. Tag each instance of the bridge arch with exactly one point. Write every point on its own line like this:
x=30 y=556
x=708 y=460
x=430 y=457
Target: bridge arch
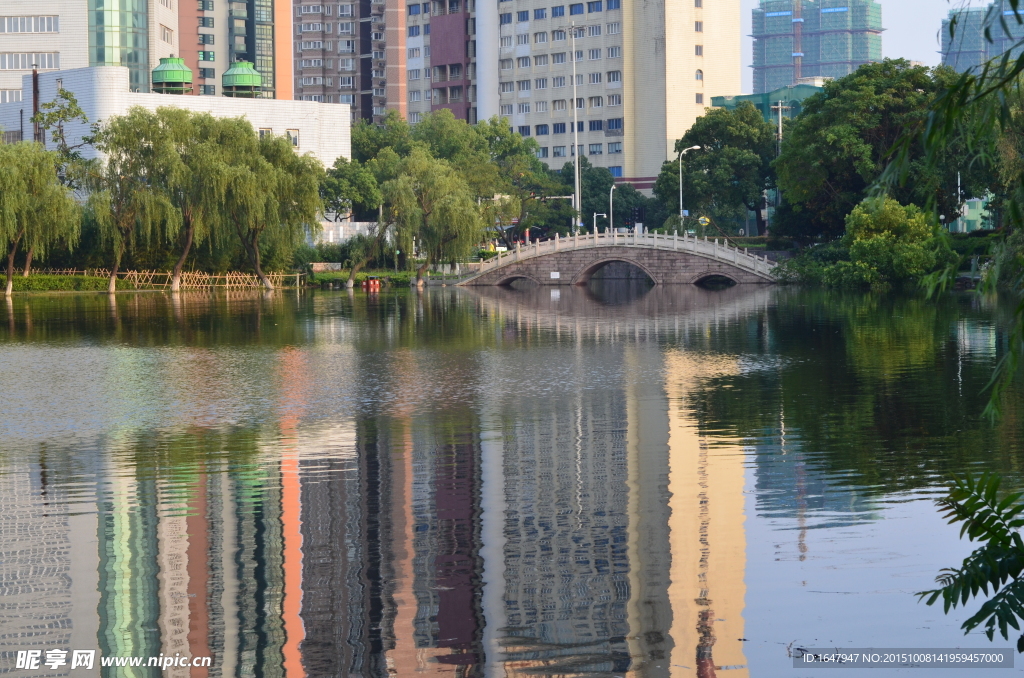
x=513 y=276
x=583 y=276
x=708 y=276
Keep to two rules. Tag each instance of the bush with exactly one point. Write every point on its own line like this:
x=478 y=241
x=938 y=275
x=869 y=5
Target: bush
x=64 y=283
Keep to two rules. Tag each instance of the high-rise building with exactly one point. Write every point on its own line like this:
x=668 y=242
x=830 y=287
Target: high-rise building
x=968 y=47
x=62 y=34
x=796 y=39
x=618 y=82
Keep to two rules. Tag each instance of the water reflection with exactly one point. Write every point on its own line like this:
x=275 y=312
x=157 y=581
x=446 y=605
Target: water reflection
x=471 y=482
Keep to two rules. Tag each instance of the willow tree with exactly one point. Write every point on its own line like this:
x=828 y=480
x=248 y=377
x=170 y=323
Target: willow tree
x=36 y=210
x=271 y=195
x=195 y=175
x=430 y=200
x=129 y=200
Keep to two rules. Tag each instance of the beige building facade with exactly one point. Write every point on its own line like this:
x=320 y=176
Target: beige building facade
x=632 y=77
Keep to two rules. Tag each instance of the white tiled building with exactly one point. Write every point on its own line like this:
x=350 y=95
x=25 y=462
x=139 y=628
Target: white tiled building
x=320 y=129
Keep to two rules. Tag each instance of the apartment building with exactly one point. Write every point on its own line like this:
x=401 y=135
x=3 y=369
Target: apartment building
x=616 y=81
x=60 y=34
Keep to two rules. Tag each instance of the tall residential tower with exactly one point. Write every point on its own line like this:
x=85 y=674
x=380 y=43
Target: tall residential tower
x=797 y=39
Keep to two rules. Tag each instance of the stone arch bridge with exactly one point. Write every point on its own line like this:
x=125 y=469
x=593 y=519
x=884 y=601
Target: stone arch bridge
x=572 y=260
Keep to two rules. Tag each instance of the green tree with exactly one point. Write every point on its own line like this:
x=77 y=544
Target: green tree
x=730 y=172
x=369 y=139
x=36 y=209
x=271 y=197
x=841 y=143
x=127 y=201
x=429 y=200
x=349 y=187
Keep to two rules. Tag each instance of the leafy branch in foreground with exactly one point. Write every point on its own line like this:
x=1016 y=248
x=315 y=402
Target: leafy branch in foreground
x=993 y=569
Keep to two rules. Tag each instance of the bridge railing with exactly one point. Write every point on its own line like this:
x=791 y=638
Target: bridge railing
x=702 y=246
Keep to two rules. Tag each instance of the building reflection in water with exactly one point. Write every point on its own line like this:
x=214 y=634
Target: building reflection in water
x=588 y=531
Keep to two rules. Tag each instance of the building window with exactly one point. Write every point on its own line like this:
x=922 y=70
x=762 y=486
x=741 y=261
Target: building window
x=507 y=87
x=698 y=50
x=376 y=36
x=614 y=99
x=207 y=73
x=414 y=118
x=541 y=60
x=596 y=125
x=614 y=28
x=614 y=52
x=265 y=132
x=594 y=31
x=314 y=80
x=540 y=37
x=614 y=76
x=614 y=123
x=506 y=18
x=346 y=47
x=311 y=9
x=29 y=24
x=596 y=149
x=414 y=31
x=505 y=64
x=524 y=130
x=311 y=28
x=379 y=92
x=615 y=147
x=523 y=62
x=524 y=108
x=205 y=5
x=344 y=10
x=540 y=83
x=579 y=55
x=540 y=14
x=558 y=81
x=306 y=63
x=700 y=74
x=558 y=11
x=576 y=9
x=580 y=105
x=522 y=16
x=700 y=98
x=313 y=44
x=414 y=95
x=208 y=90
x=557 y=35
x=346 y=28
x=523 y=39
x=613 y=4
x=558 y=151
x=346 y=64
x=541 y=130
x=206 y=38
x=380 y=110
x=558 y=58
x=414 y=9
x=617 y=169
x=506 y=41
x=166 y=3
x=206 y=22
x=594 y=54
x=542 y=152
x=166 y=34
x=414 y=52
x=698 y=26
x=506 y=109
x=698 y=3
x=540 y=107
x=426 y=30
x=379 y=53
x=212 y=56
x=346 y=81
x=595 y=78
x=414 y=74
x=523 y=85
x=559 y=127
x=594 y=6
x=347 y=99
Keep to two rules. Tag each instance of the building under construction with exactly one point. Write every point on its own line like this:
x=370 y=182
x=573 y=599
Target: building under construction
x=797 y=39
x=967 y=47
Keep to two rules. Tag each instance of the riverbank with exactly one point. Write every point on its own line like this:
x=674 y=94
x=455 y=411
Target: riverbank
x=64 y=283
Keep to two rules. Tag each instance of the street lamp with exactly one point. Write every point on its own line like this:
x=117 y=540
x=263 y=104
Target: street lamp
x=596 y=215
x=681 y=154
x=611 y=210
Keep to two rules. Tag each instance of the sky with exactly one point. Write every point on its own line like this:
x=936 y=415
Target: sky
x=911 y=31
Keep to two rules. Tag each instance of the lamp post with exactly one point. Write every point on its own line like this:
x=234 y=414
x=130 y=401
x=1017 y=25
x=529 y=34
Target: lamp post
x=577 y=191
x=596 y=215
x=680 y=159
x=611 y=209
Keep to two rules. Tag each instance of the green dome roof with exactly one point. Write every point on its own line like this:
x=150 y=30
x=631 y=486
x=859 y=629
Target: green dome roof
x=172 y=70
x=242 y=74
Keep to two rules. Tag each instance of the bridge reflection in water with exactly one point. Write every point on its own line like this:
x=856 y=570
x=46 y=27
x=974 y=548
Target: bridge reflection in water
x=552 y=509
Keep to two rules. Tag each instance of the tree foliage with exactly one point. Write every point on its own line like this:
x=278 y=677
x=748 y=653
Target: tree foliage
x=730 y=172
x=349 y=187
x=993 y=569
x=36 y=209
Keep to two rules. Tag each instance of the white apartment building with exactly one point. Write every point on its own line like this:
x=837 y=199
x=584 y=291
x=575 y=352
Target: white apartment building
x=62 y=34
x=324 y=130
x=644 y=72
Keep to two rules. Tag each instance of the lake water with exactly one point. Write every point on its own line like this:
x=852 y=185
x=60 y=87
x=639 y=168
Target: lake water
x=586 y=482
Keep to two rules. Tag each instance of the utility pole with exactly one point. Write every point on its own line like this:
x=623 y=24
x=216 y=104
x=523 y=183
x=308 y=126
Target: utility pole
x=575 y=136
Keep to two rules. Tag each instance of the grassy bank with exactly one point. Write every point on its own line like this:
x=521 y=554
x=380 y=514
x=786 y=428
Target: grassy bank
x=63 y=283
x=399 y=279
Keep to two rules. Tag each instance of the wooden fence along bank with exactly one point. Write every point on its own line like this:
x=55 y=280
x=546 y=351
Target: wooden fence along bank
x=190 y=280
